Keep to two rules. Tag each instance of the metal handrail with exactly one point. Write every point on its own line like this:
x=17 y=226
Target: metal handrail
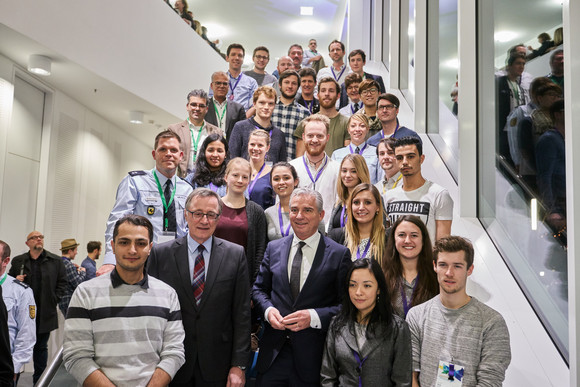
x=50 y=371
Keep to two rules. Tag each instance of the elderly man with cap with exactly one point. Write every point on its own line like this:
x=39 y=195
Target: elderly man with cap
x=75 y=274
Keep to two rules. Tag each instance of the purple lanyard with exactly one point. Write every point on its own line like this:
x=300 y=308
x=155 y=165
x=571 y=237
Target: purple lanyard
x=360 y=365
x=287 y=232
x=397 y=128
x=251 y=187
x=319 y=172
x=342 y=217
x=257 y=127
x=213 y=187
x=310 y=105
x=360 y=152
x=407 y=306
x=352 y=108
x=358 y=256
x=236 y=85
x=339 y=74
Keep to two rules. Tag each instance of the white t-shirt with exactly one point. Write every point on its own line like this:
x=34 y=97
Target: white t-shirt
x=325 y=184
x=430 y=202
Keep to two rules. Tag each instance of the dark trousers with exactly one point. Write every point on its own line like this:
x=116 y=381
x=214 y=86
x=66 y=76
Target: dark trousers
x=197 y=380
x=282 y=372
x=40 y=355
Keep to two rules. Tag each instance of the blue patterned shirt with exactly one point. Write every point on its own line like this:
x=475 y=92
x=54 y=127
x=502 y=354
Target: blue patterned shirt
x=73 y=279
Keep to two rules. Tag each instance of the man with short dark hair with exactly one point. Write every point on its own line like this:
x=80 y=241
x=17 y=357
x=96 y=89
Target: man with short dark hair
x=261 y=57
x=241 y=88
x=296 y=53
x=93 y=253
x=557 y=68
x=349 y=96
x=212 y=282
x=387 y=111
x=369 y=94
x=298 y=291
x=357 y=60
x=390 y=177
x=222 y=112
x=287 y=112
x=74 y=275
x=307 y=85
x=157 y=194
x=338 y=70
x=328 y=93
x=44 y=272
x=482 y=355
x=124 y=328
x=193 y=130
x=418 y=196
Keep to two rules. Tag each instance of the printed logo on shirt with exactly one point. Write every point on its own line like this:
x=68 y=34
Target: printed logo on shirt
x=151 y=210
x=398 y=209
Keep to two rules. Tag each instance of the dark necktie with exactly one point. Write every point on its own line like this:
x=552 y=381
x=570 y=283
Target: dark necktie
x=356 y=107
x=357 y=150
x=199 y=275
x=295 y=272
x=170 y=213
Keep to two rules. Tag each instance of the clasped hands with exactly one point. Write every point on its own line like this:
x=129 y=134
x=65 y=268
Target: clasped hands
x=295 y=322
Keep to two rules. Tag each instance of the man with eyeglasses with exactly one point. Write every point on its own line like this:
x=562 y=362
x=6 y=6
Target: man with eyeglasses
x=369 y=94
x=44 y=272
x=221 y=112
x=210 y=276
x=193 y=130
x=349 y=97
x=261 y=58
x=387 y=111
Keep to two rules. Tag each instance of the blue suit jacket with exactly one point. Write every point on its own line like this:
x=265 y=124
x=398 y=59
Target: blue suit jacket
x=322 y=292
x=344 y=98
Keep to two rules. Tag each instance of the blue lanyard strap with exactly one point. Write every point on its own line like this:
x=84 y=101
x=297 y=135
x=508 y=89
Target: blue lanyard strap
x=360 y=365
x=282 y=231
x=407 y=306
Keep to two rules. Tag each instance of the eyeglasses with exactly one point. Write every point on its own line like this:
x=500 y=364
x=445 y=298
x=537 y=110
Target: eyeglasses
x=221 y=84
x=261 y=57
x=198 y=215
x=196 y=105
x=369 y=91
x=41 y=237
x=386 y=107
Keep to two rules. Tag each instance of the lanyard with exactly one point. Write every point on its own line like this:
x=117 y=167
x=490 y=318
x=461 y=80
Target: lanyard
x=253 y=183
x=165 y=204
x=213 y=187
x=258 y=127
x=319 y=172
x=385 y=181
x=310 y=105
x=360 y=152
x=220 y=116
x=196 y=141
x=287 y=232
x=358 y=255
x=236 y=85
x=352 y=108
x=515 y=88
x=407 y=306
x=360 y=365
x=342 y=217
x=3 y=278
x=339 y=74
x=396 y=128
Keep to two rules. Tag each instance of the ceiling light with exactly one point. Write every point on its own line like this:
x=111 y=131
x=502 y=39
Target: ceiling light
x=136 y=117
x=307 y=27
x=306 y=11
x=39 y=64
x=504 y=36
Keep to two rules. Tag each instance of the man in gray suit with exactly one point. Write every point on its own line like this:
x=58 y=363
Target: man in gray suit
x=210 y=276
x=221 y=113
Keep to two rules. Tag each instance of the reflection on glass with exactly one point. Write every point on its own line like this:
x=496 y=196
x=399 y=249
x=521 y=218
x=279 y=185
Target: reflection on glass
x=386 y=35
x=521 y=157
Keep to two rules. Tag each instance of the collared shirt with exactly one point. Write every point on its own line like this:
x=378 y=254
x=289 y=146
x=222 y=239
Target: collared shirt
x=339 y=75
x=385 y=185
x=286 y=118
x=243 y=90
x=369 y=153
x=90 y=266
x=350 y=109
x=117 y=281
x=73 y=279
x=193 y=132
x=192 y=253
x=221 y=112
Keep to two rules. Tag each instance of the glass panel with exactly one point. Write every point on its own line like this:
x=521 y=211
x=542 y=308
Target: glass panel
x=386 y=35
x=521 y=172
x=407 y=81
x=442 y=123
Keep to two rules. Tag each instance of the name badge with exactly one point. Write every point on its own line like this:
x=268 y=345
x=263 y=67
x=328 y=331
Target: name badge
x=449 y=375
x=165 y=236
x=231 y=97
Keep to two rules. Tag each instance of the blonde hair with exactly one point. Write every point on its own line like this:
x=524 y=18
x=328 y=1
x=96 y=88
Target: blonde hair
x=261 y=133
x=362 y=172
x=351 y=233
x=238 y=161
x=361 y=117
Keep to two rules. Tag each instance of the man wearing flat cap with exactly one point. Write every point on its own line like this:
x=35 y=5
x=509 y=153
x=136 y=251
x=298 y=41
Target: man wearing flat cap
x=74 y=273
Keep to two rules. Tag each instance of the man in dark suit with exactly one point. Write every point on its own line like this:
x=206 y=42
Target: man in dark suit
x=210 y=276
x=221 y=113
x=298 y=292
x=357 y=60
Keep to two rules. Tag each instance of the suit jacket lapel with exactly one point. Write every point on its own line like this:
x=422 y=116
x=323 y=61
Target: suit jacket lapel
x=318 y=264
x=284 y=258
x=182 y=262
x=210 y=115
x=211 y=273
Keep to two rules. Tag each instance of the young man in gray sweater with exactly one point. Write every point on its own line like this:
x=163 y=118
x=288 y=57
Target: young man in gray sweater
x=456 y=339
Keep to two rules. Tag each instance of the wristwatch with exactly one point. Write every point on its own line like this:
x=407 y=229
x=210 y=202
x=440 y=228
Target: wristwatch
x=243 y=368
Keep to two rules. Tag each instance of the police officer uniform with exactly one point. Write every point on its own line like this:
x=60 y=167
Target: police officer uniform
x=139 y=194
x=21 y=308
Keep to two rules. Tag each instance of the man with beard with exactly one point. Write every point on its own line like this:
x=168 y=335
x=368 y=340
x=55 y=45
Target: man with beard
x=338 y=70
x=387 y=111
x=44 y=272
x=288 y=113
x=284 y=63
x=297 y=54
x=388 y=176
x=328 y=93
x=221 y=112
x=307 y=84
x=315 y=169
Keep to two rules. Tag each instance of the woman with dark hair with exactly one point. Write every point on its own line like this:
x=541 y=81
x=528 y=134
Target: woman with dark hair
x=366 y=344
x=210 y=166
x=408 y=265
x=182 y=9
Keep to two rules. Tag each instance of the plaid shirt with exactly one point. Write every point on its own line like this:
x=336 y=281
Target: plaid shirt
x=286 y=118
x=73 y=279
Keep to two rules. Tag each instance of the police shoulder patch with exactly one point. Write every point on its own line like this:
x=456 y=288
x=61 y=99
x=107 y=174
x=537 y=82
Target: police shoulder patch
x=150 y=210
x=514 y=121
x=137 y=173
x=21 y=284
x=32 y=311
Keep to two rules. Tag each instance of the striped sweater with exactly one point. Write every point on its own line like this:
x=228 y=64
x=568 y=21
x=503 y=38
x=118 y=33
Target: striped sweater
x=126 y=331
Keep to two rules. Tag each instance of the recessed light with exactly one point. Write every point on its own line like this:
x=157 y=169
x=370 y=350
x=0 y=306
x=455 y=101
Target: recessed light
x=136 y=117
x=39 y=64
x=306 y=11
